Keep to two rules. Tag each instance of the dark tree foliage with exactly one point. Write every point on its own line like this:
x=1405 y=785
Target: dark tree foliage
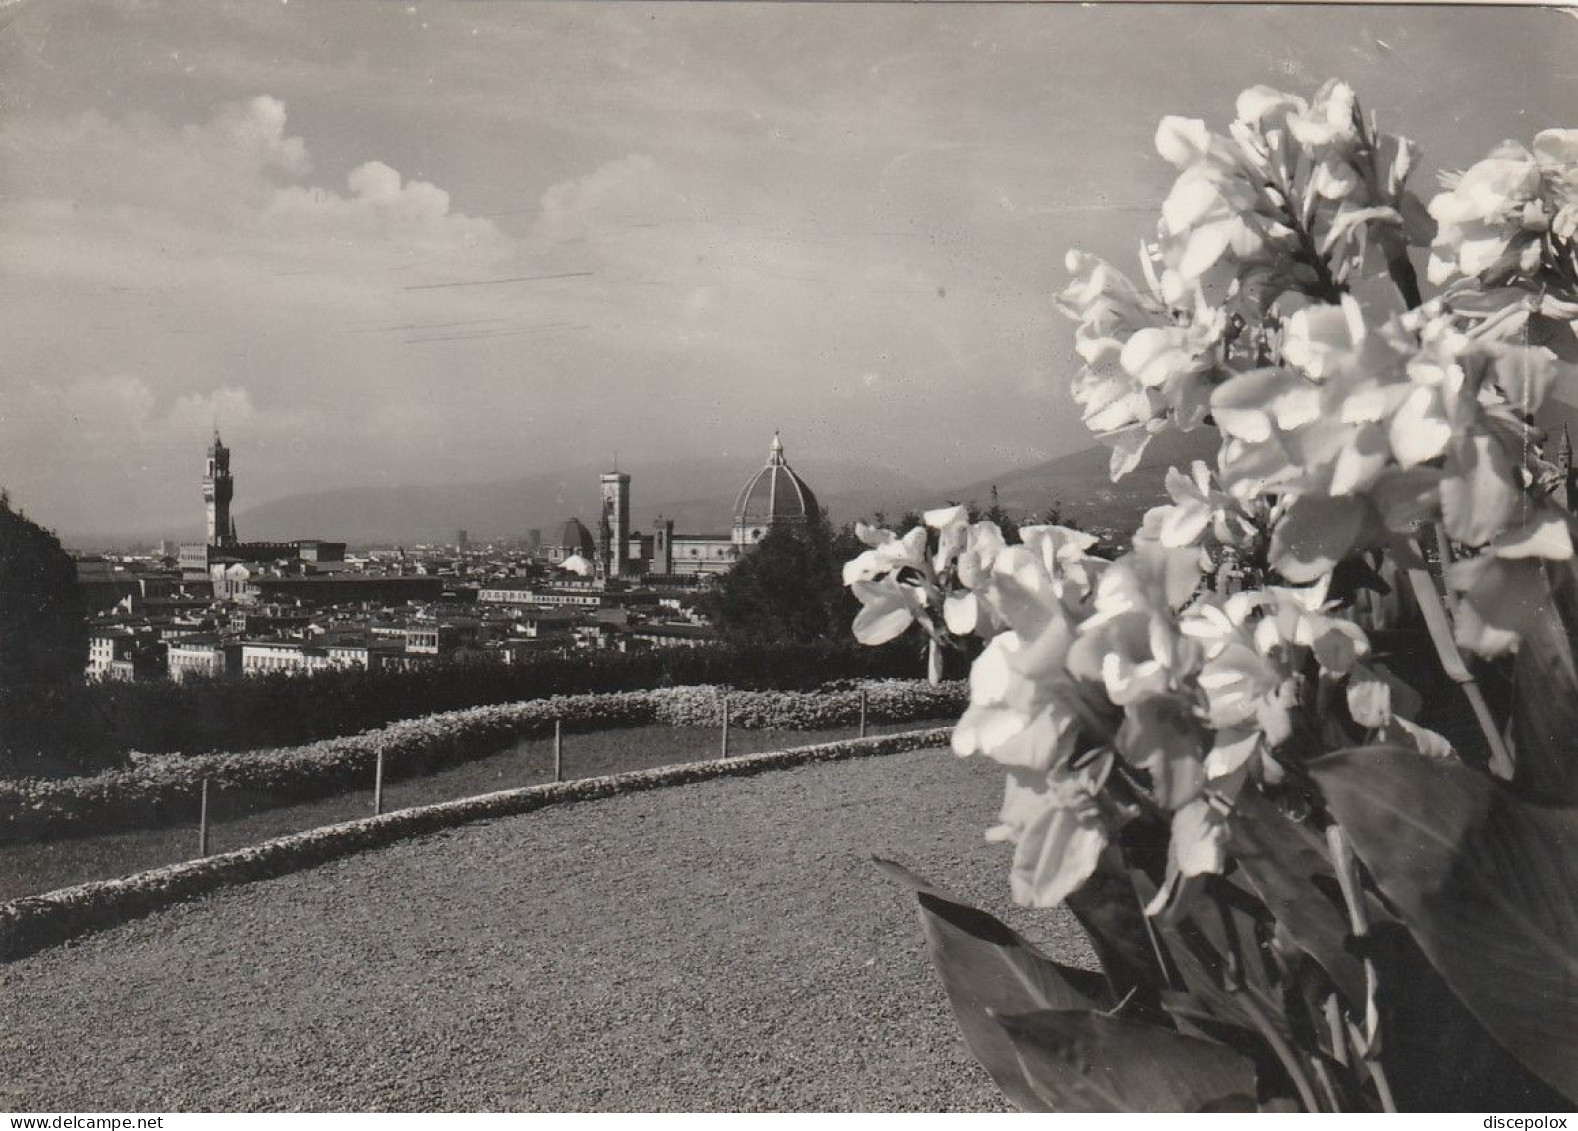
x=790 y=588
x=43 y=633
x=47 y=721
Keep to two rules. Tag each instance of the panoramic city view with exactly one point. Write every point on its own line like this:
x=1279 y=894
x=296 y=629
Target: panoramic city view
x=774 y=557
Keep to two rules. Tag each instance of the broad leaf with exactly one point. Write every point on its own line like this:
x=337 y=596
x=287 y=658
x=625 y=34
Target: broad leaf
x=1199 y=945
x=1089 y=1062
x=1288 y=868
x=1110 y=912
x=1485 y=881
x=1545 y=713
x=988 y=969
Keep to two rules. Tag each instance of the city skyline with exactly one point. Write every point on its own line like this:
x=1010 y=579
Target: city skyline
x=450 y=243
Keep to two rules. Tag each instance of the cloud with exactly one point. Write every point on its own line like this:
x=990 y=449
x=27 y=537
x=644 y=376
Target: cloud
x=628 y=191
x=81 y=416
x=159 y=272
x=240 y=176
x=413 y=216
x=220 y=168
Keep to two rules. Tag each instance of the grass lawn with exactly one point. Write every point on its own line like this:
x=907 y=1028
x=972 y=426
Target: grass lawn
x=28 y=869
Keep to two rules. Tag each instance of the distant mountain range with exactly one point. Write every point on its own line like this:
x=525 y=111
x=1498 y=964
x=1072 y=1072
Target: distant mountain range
x=1080 y=486
x=698 y=494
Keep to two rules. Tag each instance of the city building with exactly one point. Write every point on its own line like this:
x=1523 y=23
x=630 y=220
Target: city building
x=774 y=496
x=230 y=608
x=613 y=551
x=574 y=540
x=266 y=657
x=207 y=560
x=218 y=489
x=116 y=652
x=200 y=655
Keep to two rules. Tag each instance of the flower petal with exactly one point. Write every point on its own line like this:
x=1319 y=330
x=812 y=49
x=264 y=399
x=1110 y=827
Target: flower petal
x=1316 y=534
x=1057 y=852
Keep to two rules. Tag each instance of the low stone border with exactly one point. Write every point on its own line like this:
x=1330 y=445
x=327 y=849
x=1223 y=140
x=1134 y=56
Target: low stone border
x=35 y=922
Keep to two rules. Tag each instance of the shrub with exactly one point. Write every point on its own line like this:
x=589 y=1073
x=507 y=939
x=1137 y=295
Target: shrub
x=156 y=788
x=283 y=710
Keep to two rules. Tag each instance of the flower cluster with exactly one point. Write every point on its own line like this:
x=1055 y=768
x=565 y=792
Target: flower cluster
x=1512 y=217
x=1383 y=427
x=1283 y=209
x=1134 y=671
x=926 y=576
x=1279 y=307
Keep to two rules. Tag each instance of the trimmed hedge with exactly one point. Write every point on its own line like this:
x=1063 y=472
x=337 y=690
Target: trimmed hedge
x=105 y=720
x=33 y=922
x=160 y=788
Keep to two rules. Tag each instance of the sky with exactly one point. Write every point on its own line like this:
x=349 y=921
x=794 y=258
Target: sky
x=392 y=243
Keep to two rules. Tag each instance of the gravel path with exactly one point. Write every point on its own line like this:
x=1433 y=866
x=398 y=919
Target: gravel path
x=718 y=946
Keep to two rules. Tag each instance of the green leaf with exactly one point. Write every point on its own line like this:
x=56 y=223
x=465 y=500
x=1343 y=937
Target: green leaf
x=1487 y=884
x=988 y=969
x=1287 y=866
x=1089 y=1062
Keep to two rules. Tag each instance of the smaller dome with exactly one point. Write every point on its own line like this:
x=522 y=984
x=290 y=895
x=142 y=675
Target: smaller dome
x=576 y=538
x=774 y=494
x=578 y=565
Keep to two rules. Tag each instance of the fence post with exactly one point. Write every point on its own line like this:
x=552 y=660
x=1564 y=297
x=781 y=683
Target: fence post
x=378 y=785
x=862 y=712
x=202 y=822
x=725 y=724
x=558 y=750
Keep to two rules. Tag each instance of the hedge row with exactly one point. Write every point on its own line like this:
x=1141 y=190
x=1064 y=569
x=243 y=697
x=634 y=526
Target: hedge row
x=159 y=788
x=86 y=729
x=33 y=922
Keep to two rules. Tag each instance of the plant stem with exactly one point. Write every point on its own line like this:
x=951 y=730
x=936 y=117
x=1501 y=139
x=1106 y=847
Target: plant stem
x=1339 y=1036
x=1263 y=1025
x=1383 y=1086
x=1444 y=556
x=1323 y=1078
x=1346 y=865
x=1347 y=869
x=1440 y=629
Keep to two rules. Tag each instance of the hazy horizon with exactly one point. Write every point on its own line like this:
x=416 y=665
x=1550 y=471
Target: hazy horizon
x=466 y=242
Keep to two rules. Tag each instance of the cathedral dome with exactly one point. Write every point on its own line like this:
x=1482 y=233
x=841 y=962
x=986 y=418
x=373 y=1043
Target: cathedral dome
x=575 y=538
x=775 y=494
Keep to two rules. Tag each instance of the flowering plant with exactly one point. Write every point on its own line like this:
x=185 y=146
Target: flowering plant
x=1218 y=752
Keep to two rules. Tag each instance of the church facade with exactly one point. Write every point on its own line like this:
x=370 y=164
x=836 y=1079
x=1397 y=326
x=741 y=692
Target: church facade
x=772 y=497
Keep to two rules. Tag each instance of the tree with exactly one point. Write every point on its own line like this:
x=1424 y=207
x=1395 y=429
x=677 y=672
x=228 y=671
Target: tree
x=788 y=588
x=49 y=723
x=43 y=633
